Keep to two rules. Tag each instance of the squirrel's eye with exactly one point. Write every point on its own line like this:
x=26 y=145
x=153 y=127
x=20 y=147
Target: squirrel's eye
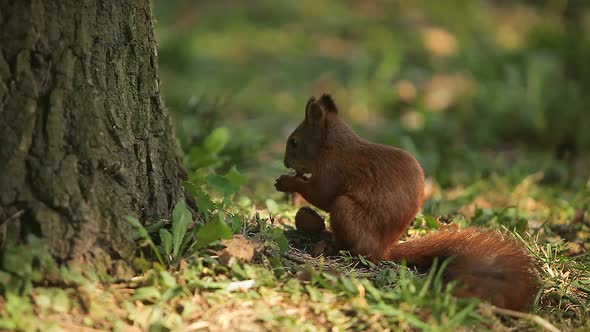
x=293 y=142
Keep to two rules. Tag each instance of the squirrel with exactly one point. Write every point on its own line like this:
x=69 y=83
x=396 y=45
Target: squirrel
x=373 y=192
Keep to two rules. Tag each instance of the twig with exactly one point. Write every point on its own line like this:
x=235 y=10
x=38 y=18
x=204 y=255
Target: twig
x=295 y=258
x=75 y=327
x=12 y=217
x=534 y=318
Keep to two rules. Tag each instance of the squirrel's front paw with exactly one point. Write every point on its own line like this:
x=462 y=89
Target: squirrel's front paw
x=287 y=183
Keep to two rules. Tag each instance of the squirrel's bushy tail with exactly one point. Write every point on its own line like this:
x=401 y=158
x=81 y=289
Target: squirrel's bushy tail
x=484 y=263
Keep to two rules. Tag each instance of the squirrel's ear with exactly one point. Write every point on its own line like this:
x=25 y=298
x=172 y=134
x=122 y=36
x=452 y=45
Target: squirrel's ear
x=313 y=111
x=328 y=103
x=310 y=102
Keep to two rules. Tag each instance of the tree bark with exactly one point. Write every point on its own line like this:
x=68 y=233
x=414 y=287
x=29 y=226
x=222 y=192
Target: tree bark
x=85 y=138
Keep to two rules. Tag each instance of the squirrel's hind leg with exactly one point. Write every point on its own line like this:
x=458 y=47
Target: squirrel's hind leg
x=353 y=232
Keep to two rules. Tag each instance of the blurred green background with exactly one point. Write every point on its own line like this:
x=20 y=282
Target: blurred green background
x=472 y=88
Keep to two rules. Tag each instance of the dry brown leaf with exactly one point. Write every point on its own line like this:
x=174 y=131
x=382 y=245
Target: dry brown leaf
x=574 y=249
x=238 y=248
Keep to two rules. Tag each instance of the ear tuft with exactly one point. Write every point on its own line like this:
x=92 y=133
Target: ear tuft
x=313 y=111
x=309 y=106
x=309 y=102
x=328 y=103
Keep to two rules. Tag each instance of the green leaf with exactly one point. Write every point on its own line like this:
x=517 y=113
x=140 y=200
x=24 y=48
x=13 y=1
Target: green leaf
x=348 y=285
x=158 y=326
x=181 y=218
x=220 y=184
x=204 y=202
x=167 y=279
x=461 y=315
x=18 y=260
x=166 y=239
x=372 y=290
x=141 y=232
x=141 y=264
x=149 y=293
x=314 y=294
x=279 y=237
x=199 y=157
x=431 y=222
x=217 y=140
x=212 y=231
x=155 y=227
x=365 y=261
x=7 y=323
x=60 y=301
x=236 y=222
x=272 y=206
x=235 y=178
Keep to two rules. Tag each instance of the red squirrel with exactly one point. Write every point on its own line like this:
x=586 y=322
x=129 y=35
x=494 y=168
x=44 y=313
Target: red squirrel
x=373 y=192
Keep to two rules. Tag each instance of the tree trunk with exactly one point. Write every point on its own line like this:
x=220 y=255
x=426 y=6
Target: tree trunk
x=85 y=139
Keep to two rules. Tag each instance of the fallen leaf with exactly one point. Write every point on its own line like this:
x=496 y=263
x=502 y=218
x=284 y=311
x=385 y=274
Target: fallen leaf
x=238 y=248
x=573 y=249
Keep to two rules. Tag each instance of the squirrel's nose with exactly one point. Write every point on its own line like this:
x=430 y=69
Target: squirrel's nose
x=286 y=163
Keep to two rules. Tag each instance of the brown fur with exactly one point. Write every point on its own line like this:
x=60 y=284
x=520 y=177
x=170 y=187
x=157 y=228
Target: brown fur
x=373 y=193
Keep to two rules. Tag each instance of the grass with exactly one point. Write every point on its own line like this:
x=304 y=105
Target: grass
x=290 y=289
x=489 y=97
